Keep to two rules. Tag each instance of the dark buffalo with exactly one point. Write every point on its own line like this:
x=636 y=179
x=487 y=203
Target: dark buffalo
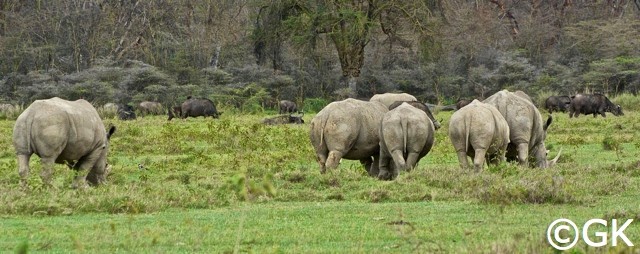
x=126 y=112
x=288 y=107
x=284 y=119
x=592 y=104
x=194 y=108
x=557 y=103
x=418 y=105
x=461 y=103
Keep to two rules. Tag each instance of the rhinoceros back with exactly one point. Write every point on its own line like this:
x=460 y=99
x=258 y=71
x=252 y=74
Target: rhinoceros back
x=56 y=127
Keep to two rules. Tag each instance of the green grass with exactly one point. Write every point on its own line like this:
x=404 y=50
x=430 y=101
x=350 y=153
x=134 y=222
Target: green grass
x=235 y=185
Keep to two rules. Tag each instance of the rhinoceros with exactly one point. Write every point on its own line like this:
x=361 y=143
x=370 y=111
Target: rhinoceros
x=389 y=98
x=150 y=108
x=65 y=132
x=348 y=129
x=287 y=106
x=479 y=131
x=418 y=105
x=523 y=95
x=527 y=131
x=406 y=136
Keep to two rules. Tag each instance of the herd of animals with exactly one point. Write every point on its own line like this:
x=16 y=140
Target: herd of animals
x=389 y=133
x=392 y=132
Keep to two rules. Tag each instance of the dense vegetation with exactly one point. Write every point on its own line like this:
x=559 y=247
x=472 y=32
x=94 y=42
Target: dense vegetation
x=250 y=186
x=253 y=52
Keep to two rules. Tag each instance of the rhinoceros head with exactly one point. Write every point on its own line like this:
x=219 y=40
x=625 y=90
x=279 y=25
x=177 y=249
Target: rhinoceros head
x=100 y=170
x=541 y=150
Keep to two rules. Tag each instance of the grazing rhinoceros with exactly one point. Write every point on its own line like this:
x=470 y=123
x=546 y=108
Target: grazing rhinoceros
x=287 y=106
x=406 y=136
x=65 y=132
x=418 y=105
x=389 y=98
x=193 y=107
x=527 y=131
x=348 y=129
x=150 y=108
x=593 y=104
x=479 y=131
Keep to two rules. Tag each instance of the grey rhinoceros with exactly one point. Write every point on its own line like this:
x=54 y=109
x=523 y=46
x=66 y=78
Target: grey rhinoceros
x=527 y=131
x=65 y=132
x=406 y=136
x=478 y=130
x=389 y=98
x=418 y=105
x=287 y=106
x=150 y=108
x=348 y=129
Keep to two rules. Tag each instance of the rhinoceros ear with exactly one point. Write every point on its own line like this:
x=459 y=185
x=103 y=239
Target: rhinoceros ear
x=112 y=129
x=546 y=125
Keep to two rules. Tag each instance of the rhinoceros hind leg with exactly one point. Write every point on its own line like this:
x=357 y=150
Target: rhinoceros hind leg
x=384 y=170
x=412 y=160
x=523 y=154
x=333 y=160
x=462 y=158
x=23 y=168
x=322 y=160
x=398 y=159
x=478 y=159
x=47 y=170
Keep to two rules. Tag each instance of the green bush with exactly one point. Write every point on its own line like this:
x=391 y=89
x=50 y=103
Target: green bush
x=314 y=105
x=627 y=101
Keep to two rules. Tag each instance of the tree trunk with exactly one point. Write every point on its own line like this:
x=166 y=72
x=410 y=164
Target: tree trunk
x=352 y=83
x=214 y=59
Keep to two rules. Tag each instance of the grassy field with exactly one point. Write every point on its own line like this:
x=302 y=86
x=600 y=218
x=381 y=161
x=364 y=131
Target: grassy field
x=234 y=185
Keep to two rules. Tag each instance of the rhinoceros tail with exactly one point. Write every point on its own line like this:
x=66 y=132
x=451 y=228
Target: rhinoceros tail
x=403 y=124
x=323 y=124
x=467 y=127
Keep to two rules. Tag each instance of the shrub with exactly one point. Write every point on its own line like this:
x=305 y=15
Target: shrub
x=627 y=101
x=314 y=104
x=609 y=143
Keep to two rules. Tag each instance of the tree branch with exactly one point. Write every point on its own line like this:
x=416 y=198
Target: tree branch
x=507 y=13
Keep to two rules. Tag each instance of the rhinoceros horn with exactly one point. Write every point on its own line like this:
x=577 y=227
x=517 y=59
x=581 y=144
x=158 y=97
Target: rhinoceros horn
x=553 y=162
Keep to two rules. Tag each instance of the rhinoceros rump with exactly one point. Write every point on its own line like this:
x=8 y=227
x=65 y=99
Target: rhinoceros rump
x=65 y=132
x=418 y=105
x=348 y=129
x=527 y=131
x=406 y=136
x=478 y=130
